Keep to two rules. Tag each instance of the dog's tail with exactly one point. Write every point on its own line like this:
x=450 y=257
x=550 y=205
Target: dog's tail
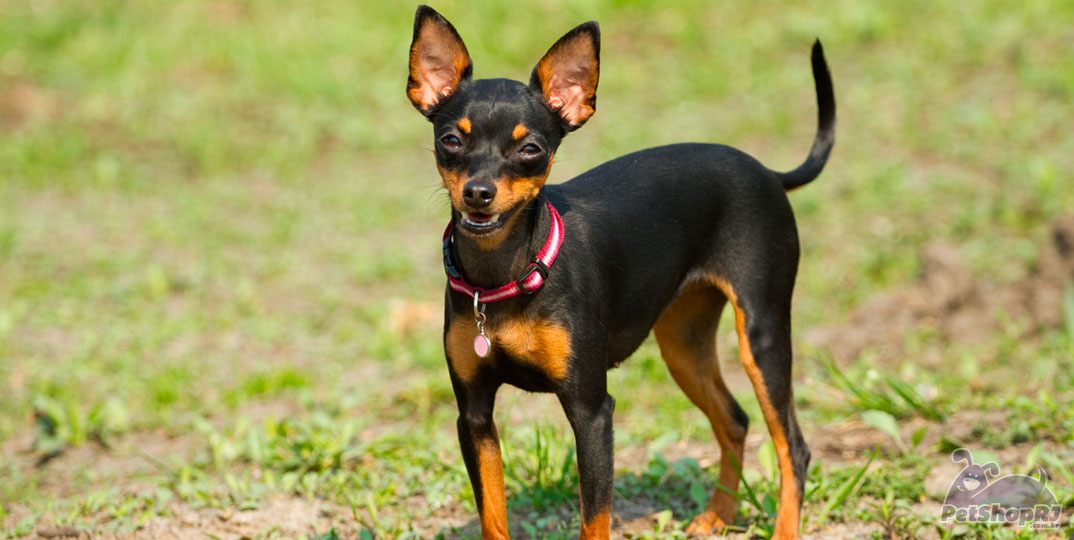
x=825 y=139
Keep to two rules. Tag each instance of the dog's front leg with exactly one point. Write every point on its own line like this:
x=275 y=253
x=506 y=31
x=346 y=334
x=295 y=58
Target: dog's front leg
x=589 y=410
x=481 y=451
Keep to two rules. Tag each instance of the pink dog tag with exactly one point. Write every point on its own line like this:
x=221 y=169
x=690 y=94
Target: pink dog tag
x=482 y=345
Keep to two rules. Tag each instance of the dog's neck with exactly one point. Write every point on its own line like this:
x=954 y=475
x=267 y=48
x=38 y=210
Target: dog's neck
x=491 y=268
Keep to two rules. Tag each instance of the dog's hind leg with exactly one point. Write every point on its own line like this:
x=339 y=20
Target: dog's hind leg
x=686 y=334
x=762 y=320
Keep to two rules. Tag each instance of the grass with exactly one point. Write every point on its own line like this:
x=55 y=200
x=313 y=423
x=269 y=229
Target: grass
x=219 y=266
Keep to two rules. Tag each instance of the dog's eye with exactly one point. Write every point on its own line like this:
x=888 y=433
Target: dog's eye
x=450 y=142
x=530 y=150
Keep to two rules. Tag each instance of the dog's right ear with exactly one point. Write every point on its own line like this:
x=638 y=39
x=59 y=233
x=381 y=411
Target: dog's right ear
x=438 y=61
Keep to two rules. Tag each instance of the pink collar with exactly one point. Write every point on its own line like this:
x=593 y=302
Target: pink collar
x=532 y=279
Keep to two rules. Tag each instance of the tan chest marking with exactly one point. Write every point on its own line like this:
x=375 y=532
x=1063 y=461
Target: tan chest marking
x=542 y=344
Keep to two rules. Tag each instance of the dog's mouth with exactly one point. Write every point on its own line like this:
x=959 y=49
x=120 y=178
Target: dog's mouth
x=484 y=224
x=478 y=221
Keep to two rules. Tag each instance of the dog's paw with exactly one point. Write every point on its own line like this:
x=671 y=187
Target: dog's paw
x=706 y=523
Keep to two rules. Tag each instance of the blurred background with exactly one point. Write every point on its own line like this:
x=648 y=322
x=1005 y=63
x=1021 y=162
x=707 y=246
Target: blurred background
x=220 y=284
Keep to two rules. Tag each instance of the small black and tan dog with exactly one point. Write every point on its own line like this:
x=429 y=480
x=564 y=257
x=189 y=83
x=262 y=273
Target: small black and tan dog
x=550 y=286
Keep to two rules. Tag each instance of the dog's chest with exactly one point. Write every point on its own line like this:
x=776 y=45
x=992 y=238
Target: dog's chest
x=536 y=344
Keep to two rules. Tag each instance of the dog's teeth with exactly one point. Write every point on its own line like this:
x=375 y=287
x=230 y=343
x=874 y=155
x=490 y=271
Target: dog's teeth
x=492 y=220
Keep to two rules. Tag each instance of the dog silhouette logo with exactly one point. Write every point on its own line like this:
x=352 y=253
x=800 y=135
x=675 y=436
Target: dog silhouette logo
x=978 y=494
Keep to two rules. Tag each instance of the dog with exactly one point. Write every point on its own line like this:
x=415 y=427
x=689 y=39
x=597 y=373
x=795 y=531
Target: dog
x=550 y=286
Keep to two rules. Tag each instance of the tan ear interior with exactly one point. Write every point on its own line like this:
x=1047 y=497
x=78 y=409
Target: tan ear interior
x=568 y=74
x=438 y=60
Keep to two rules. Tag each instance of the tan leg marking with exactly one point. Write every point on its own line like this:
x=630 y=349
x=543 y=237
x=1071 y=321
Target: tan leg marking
x=597 y=528
x=787 y=520
x=493 y=499
x=696 y=369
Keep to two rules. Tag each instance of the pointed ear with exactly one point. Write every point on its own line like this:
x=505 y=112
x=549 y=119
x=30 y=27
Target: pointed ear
x=438 y=61
x=567 y=75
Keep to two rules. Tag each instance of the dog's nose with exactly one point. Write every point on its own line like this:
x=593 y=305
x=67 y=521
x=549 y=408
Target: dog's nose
x=478 y=194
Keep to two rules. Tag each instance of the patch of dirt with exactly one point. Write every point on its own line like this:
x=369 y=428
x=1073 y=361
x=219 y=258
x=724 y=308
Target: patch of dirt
x=959 y=307
x=289 y=517
x=22 y=101
x=119 y=465
x=631 y=518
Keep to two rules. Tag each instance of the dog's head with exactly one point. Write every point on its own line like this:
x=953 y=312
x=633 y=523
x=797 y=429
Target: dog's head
x=495 y=138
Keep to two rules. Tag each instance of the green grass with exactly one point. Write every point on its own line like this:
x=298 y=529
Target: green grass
x=218 y=241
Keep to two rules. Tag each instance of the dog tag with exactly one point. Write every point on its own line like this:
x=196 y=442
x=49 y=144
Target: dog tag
x=482 y=345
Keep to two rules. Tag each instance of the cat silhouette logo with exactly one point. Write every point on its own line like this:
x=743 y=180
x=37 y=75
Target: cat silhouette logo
x=978 y=496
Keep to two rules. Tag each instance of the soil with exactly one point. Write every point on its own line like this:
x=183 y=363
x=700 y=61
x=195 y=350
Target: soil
x=960 y=307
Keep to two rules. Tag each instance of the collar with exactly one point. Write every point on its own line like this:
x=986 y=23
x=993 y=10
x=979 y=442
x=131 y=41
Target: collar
x=532 y=279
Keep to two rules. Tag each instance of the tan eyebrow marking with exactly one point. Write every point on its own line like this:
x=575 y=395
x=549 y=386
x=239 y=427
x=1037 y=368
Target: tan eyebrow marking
x=519 y=132
x=464 y=125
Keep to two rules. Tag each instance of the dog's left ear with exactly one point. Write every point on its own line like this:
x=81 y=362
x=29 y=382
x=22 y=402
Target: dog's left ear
x=567 y=75
x=438 y=61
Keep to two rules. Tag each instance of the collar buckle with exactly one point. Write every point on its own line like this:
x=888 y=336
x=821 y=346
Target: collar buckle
x=541 y=269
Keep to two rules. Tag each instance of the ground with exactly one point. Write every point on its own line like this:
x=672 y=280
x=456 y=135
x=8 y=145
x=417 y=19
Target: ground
x=220 y=282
